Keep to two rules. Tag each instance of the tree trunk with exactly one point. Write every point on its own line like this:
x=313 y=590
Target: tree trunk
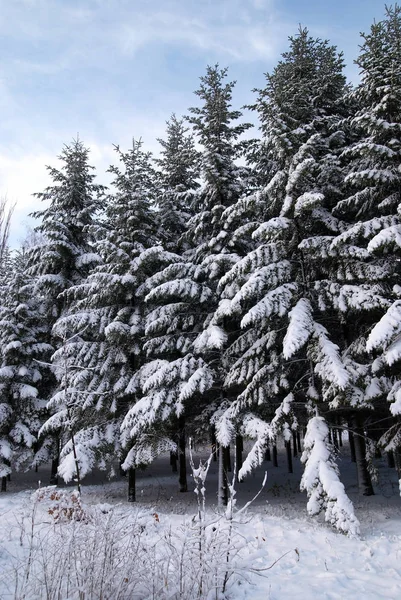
x=53 y=472
x=3 y=484
x=173 y=462
x=351 y=443
x=239 y=446
x=131 y=485
x=268 y=453
x=289 y=456
x=397 y=460
x=334 y=437
x=294 y=444
x=390 y=459
x=364 y=480
x=182 y=459
x=275 y=461
x=227 y=459
x=214 y=443
x=299 y=441
x=222 y=492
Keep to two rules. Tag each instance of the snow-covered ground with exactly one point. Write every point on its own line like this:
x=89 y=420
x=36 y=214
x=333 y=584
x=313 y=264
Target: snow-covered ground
x=151 y=549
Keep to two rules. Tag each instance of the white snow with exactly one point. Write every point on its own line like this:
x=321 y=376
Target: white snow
x=299 y=329
x=329 y=366
x=386 y=329
x=321 y=480
x=213 y=337
x=142 y=546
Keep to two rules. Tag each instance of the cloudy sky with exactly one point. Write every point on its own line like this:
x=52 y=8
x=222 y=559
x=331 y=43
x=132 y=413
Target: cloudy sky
x=110 y=70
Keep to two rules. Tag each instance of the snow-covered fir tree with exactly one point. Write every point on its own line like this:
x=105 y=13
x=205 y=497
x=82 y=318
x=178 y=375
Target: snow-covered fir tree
x=178 y=165
x=278 y=292
x=62 y=255
x=375 y=204
x=23 y=375
x=104 y=326
x=181 y=335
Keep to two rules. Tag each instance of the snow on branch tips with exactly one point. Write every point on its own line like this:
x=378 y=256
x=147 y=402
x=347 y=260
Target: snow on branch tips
x=299 y=329
x=256 y=428
x=384 y=332
x=321 y=481
x=212 y=338
x=329 y=365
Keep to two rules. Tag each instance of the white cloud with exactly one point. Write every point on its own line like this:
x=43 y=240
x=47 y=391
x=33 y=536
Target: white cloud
x=22 y=176
x=19 y=178
x=94 y=32
x=237 y=35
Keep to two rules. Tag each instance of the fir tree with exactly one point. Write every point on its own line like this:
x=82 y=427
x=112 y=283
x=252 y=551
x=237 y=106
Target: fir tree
x=22 y=374
x=63 y=255
x=181 y=335
x=104 y=327
x=179 y=170
x=374 y=178
x=372 y=184
x=280 y=292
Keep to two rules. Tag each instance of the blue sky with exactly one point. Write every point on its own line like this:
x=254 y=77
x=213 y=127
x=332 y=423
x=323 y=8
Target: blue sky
x=111 y=70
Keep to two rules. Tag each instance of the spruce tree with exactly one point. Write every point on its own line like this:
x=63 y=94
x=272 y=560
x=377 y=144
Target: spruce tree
x=62 y=256
x=182 y=336
x=178 y=165
x=105 y=321
x=374 y=177
x=23 y=375
x=280 y=292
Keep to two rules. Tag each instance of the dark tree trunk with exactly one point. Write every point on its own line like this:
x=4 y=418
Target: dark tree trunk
x=334 y=437
x=397 y=460
x=239 y=446
x=299 y=441
x=275 y=461
x=53 y=472
x=214 y=443
x=294 y=444
x=390 y=459
x=55 y=462
x=351 y=443
x=173 y=462
x=182 y=459
x=268 y=453
x=289 y=456
x=227 y=459
x=131 y=485
x=6 y=477
x=364 y=480
x=222 y=493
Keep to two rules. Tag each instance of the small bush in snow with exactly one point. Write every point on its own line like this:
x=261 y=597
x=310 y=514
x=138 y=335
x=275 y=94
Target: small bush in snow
x=63 y=505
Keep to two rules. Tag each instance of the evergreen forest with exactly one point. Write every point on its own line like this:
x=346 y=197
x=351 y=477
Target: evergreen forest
x=242 y=286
